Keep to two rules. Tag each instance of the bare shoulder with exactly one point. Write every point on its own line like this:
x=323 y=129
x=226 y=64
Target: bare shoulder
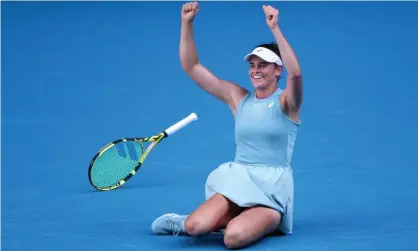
x=293 y=114
x=236 y=93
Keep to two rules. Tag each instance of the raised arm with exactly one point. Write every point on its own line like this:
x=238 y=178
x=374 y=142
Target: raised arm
x=292 y=96
x=226 y=91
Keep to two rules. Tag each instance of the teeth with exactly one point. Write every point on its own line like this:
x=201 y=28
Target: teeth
x=257 y=76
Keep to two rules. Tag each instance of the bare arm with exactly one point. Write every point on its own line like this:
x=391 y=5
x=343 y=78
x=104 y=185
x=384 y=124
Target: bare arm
x=225 y=91
x=292 y=96
x=293 y=92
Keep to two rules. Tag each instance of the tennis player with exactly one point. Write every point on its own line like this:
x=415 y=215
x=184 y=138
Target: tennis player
x=252 y=195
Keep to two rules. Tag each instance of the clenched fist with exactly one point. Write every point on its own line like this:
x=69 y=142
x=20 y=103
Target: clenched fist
x=272 y=16
x=189 y=11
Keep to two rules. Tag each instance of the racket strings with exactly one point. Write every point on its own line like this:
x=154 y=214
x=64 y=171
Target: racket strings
x=116 y=163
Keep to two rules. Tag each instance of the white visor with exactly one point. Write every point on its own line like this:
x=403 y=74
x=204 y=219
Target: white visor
x=265 y=54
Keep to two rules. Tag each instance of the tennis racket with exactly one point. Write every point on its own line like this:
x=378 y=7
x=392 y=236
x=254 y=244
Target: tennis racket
x=121 y=159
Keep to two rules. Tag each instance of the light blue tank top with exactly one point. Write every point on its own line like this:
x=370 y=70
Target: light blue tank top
x=264 y=134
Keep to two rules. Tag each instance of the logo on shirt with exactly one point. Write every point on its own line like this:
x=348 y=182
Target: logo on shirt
x=271 y=104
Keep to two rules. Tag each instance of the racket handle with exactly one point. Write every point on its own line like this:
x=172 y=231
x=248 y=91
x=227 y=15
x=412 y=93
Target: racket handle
x=182 y=123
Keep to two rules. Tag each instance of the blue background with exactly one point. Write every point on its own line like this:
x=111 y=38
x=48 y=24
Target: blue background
x=77 y=75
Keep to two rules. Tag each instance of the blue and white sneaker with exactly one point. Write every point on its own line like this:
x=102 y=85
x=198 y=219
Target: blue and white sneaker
x=169 y=224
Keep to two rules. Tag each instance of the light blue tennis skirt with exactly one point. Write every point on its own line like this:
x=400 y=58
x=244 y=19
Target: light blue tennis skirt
x=255 y=185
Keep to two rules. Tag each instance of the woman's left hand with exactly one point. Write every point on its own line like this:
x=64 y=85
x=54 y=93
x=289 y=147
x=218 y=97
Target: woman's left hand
x=272 y=16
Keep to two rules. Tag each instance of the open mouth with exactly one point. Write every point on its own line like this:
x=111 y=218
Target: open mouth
x=258 y=76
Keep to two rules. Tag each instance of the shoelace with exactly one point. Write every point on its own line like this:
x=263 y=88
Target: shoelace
x=175 y=225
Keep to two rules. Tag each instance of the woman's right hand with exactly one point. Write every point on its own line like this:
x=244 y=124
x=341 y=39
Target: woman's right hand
x=189 y=11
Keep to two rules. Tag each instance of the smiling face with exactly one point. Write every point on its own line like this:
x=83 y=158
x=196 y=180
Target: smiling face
x=263 y=74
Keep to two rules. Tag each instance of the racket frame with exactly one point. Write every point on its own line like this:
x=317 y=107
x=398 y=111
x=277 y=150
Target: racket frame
x=154 y=141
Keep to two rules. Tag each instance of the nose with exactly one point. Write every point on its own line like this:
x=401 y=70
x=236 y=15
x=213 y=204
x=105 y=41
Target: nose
x=255 y=69
x=254 y=72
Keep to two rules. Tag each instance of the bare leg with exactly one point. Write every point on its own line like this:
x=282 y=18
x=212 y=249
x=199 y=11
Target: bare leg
x=213 y=214
x=250 y=226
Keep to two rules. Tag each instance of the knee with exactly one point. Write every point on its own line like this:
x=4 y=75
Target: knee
x=234 y=238
x=195 y=226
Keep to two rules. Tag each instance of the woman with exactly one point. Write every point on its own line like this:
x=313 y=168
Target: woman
x=252 y=195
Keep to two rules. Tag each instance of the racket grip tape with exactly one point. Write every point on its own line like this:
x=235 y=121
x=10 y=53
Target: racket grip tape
x=180 y=124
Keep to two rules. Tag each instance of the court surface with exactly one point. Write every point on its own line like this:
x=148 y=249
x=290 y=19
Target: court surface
x=77 y=75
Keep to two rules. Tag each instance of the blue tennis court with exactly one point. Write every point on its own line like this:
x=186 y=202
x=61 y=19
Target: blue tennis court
x=77 y=75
